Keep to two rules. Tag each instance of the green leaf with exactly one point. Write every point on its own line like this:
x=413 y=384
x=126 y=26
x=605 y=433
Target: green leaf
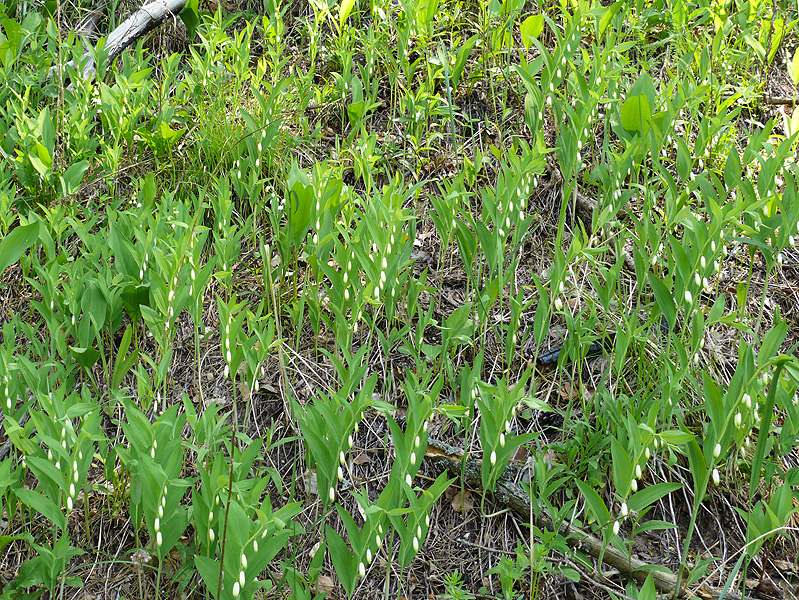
x=133 y=298
x=675 y=437
x=208 y=569
x=764 y=441
x=70 y=180
x=595 y=503
x=5 y=540
x=733 y=576
x=654 y=525
x=773 y=339
x=460 y=62
x=775 y=39
x=123 y=250
x=684 y=160
x=85 y=357
x=42 y=160
x=190 y=15
x=93 y=303
x=48 y=135
x=42 y=505
x=792 y=368
x=148 y=191
x=16 y=243
x=732 y=170
x=531 y=28
x=344 y=12
x=664 y=298
x=298 y=205
x=355 y=112
x=169 y=136
x=124 y=362
x=651 y=494
x=648 y=591
x=793 y=68
x=425 y=11
x=622 y=467
x=609 y=13
x=696 y=460
x=756 y=46
x=343 y=560
x=636 y=114
x=644 y=85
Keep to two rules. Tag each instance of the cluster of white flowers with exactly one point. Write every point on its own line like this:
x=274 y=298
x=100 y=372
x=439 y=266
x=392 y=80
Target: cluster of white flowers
x=242 y=580
x=6 y=391
x=558 y=303
x=143 y=268
x=170 y=310
x=72 y=491
x=159 y=539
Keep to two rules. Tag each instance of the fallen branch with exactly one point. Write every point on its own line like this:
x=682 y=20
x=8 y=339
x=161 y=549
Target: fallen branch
x=144 y=20
x=512 y=495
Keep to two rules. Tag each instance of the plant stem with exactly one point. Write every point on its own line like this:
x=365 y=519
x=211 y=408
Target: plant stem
x=230 y=488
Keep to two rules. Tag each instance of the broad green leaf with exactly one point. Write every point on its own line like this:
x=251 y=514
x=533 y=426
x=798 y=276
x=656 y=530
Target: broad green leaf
x=93 y=303
x=70 y=180
x=531 y=28
x=715 y=409
x=732 y=170
x=124 y=361
x=344 y=12
x=651 y=494
x=622 y=467
x=644 y=85
x=123 y=251
x=664 y=299
x=425 y=11
x=775 y=37
x=48 y=134
x=5 y=540
x=773 y=339
x=170 y=136
x=793 y=68
x=10 y=45
x=764 y=442
x=595 y=503
x=208 y=569
x=41 y=160
x=684 y=159
x=756 y=46
x=343 y=560
x=698 y=465
x=133 y=298
x=191 y=16
x=648 y=591
x=149 y=191
x=460 y=62
x=85 y=357
x=609 y=13
x=636 y=114
x=675 y=437
x=792 y=368
x=16 y=243
x=355 y=112
x=42 y=505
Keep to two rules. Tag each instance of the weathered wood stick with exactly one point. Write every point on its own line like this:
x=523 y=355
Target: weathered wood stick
x=515 y=497
x=144 y=20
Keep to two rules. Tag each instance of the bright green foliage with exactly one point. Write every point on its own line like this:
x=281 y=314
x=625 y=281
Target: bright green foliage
x=128 y=200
